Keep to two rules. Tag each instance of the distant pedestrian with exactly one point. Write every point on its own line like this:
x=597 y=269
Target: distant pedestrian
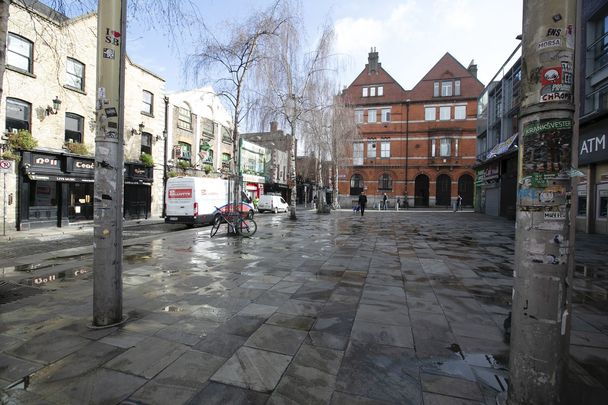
x=459 y=200
x=314 y=201
x=362 y=202
x=398 y=203
x=384 y=201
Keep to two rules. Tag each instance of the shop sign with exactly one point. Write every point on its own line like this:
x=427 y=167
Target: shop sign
x=593 y=145
x=490 y=173
x=45 y=161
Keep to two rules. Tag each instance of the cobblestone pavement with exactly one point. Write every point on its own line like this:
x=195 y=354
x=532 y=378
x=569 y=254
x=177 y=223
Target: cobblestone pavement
x=392 y=307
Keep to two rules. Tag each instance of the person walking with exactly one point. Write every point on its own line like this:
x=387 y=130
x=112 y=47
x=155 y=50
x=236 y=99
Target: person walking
x=362 y=202
x=384 y=201
x=459 y=201
x=398 y=203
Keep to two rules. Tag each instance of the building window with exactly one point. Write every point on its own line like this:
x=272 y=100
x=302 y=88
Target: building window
x=19 y=52
x=385 y=182
x=74 y=74
x=371 y=149
x=456 y=87
x=433 y=148
x=380 y=91
x=364 y=92
x=184 y=119
x=386 y=115
x=436 y=89
x=429 y=113
x=208 y=127
x=444 y=113
x=226 y=135
x=358 y=116
x=460 y=112
x=444 y=149
x=371 y=115
x=446 y=89
x=17 y=115
x=372 y=91
x=185 y=151
x=358 y=153
x=73 y=127
x=385 y=149
x=146 y=143
x=147 y=102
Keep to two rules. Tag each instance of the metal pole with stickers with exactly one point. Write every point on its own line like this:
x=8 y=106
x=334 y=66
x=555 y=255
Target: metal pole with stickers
x=541 y=312
x=109 y=164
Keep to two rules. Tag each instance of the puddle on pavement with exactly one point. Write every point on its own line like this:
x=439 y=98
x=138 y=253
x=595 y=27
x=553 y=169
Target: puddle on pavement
x=64 y=275
x=172 y=308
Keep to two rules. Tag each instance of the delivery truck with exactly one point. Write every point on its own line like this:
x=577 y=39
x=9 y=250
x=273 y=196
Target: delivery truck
x=193 y=200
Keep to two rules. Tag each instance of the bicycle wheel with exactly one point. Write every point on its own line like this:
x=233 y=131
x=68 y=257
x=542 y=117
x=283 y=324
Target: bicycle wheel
x=216 y=225
x=246 y=227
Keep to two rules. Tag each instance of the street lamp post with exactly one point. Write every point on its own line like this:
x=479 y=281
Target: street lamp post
x=407 y=149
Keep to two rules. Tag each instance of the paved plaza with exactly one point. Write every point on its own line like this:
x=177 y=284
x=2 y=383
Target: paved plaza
x=389 y=308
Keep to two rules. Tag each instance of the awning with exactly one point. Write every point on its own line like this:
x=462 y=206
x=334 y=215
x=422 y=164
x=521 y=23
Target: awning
x=501 y=148
x=251 y=187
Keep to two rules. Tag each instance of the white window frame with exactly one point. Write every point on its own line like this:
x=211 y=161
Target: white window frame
x=446 y=89
x=445 y=113
x=385 y=115
x=430 y=113
x=433 y=148
x=460 y=112
x=371 y=115
x=380 y=91
x=357 y=153
x=372 y=92
x=147 y=102
x=371 y=149
x=385 y=149
x=74 y=70
x=436 y=89
x=364 y=92
x=456 y=87
x=358 y=116
x=20 y=52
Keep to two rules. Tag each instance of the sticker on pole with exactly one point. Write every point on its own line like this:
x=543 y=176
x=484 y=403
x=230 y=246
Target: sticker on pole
x=6 y=166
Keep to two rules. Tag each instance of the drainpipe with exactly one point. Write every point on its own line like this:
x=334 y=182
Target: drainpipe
x=166 y=141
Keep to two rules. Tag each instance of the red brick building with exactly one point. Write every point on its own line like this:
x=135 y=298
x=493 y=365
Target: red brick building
x=418 y=143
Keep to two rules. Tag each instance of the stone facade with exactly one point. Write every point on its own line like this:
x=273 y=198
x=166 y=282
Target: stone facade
x=41 y=56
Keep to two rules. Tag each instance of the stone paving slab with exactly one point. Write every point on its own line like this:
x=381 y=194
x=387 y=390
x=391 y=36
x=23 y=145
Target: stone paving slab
x=391 y=308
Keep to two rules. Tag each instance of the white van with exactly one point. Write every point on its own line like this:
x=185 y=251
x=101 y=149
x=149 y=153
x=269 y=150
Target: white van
x=192 y=200
x=271 y=202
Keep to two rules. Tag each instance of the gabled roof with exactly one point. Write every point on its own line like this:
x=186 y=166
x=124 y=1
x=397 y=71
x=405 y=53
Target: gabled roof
x=446 y=68
x=393 y=92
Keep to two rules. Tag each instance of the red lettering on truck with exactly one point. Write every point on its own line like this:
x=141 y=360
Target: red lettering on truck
x=180 y=193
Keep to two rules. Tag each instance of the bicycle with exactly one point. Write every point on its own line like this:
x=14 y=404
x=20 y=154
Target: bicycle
x=235 y=222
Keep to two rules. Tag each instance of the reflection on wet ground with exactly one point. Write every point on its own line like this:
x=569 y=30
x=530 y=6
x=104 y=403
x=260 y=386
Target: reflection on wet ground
x=409 y=303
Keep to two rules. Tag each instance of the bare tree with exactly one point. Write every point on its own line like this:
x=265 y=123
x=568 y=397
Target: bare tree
x=236 y=57
x=288 y=78
x=344 y=131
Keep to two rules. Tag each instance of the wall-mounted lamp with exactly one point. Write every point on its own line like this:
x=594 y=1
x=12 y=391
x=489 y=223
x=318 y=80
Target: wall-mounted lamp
x=141 y=129
x=53 y=110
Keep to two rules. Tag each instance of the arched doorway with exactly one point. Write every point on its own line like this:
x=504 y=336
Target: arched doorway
x=465 y=189
x=356 y=184
x=443 y=196
x=421 y=191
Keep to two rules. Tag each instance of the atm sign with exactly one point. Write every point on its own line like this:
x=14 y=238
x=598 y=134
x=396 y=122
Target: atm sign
x=180 y=193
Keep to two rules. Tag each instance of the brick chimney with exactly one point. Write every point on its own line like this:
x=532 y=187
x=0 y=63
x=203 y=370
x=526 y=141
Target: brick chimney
x=472 y=68
x=372 y=60
x=274 y=126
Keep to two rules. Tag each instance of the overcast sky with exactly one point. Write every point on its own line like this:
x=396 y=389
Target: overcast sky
x=409 y=35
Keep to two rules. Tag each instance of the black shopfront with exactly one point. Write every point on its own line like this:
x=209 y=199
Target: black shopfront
x=56 y=190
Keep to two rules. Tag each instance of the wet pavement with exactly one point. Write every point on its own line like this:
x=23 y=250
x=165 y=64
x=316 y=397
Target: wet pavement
x=389 y=308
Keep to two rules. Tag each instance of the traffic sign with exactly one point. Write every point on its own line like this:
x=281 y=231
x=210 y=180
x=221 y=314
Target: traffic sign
x=6 y=166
